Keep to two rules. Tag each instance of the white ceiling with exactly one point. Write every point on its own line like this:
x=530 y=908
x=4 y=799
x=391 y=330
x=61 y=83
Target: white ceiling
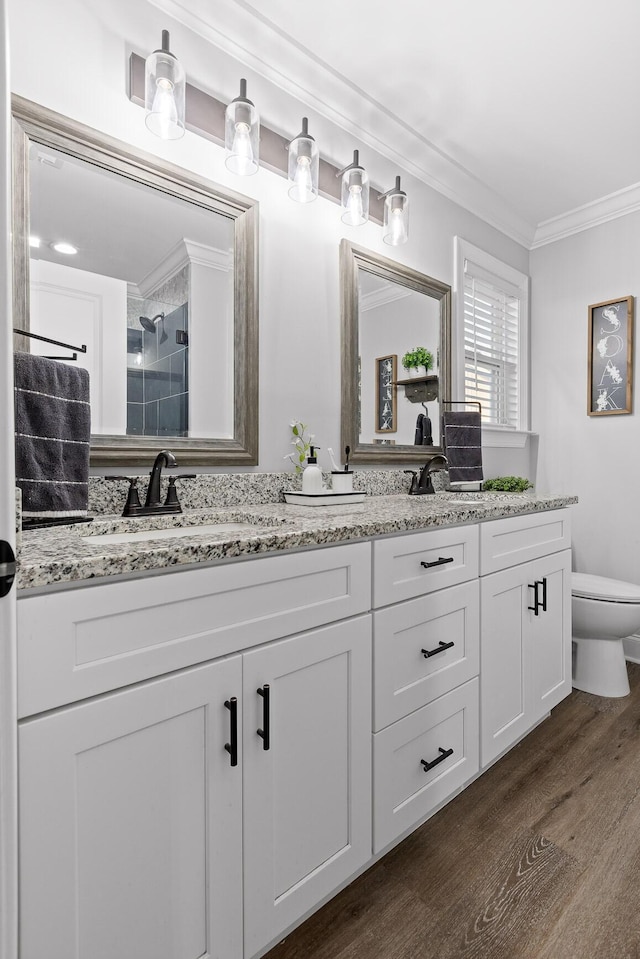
x=524 y=111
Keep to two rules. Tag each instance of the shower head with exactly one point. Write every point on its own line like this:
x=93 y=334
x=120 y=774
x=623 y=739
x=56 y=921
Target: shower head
x=150 y=325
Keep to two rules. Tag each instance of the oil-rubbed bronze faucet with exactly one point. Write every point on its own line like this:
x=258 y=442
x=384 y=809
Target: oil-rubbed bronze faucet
x=164 y=458
x=422 y=484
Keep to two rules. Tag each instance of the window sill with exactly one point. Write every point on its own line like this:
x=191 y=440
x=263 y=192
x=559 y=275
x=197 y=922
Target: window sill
x=494 y=436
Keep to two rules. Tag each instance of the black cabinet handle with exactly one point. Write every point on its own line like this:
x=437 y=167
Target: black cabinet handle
x=265 y=732
x=438 y=562
x=537 y=604
x=232 y=747
x=439 y=649
x=444 y=753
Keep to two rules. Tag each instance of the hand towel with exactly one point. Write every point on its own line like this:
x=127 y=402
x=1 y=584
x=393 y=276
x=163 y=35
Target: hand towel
x=53 y=432
x=462 y=434
x=419 y=430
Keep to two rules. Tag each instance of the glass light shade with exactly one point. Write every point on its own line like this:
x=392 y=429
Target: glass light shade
x=355 y=195
x=304 y=163
x=164 y=87
x=396 y=219
x=242 y=135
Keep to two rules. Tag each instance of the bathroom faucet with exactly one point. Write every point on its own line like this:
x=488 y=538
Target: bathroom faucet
x=164 y=458
x=422 y=484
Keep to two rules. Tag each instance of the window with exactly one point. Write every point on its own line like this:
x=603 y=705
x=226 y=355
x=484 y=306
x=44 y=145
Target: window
x=492 y=332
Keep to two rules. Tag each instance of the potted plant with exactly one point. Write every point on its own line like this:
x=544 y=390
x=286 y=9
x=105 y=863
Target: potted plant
x=417 y=362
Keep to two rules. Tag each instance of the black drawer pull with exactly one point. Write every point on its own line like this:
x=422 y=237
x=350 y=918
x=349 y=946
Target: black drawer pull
x=265 y=732
x=537 y=604
x=438 y=562
x=232 y=747
x=440 y=648
x=444 y=753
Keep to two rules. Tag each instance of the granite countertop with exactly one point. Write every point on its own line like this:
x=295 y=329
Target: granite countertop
x=76 y=554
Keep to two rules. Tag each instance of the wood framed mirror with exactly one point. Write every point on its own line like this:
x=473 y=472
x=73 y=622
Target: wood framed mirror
x=387 y=311
x=162 y=289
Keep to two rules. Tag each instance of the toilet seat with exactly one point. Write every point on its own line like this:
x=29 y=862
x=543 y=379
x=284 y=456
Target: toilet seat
x=603 y=589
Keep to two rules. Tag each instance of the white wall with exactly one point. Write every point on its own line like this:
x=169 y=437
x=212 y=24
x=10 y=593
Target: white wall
x=72 y=56
x=598 y=458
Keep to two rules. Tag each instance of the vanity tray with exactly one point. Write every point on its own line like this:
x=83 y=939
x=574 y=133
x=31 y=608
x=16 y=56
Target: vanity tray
x=325 y=498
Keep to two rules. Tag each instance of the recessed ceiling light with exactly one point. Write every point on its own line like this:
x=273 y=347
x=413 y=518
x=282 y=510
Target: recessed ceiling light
x=34 y=241
x=65 y=248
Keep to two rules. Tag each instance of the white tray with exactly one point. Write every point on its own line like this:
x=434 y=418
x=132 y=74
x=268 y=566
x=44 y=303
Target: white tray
x=325 y=498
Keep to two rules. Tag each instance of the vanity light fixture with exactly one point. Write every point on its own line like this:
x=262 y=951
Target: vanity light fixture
x=396 y=215
x=164 y=93
x=303 y=166
x=355 y=193
x=242 y=135
x=62 y=247
x=34 y=241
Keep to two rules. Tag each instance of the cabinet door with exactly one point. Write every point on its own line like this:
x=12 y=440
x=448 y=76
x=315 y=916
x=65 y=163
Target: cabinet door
x=550 y=633
x=525 y=659
x=307 y=797
x=130 y=824
x=503 y=655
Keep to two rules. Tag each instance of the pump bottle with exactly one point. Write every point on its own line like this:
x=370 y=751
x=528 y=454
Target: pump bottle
x=312 y=474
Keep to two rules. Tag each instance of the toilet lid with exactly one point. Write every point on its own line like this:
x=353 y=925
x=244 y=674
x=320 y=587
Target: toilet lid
x=589 y=586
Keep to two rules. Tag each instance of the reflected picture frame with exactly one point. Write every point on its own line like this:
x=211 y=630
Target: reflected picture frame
x=386 y=393
x=610 y=363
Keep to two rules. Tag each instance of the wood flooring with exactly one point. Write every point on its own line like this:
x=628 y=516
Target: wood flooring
x=538 y=859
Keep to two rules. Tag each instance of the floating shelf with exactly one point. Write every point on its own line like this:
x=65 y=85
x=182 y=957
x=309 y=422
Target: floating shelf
x=420 y=389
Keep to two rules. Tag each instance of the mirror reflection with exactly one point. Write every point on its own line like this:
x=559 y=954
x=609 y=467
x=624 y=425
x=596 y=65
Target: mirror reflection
x=152 y=268
x=398 y=404
x=146 y=281
x=395 y=357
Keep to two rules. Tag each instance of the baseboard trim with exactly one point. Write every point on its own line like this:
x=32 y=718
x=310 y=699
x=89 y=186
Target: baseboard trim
x=632 y=648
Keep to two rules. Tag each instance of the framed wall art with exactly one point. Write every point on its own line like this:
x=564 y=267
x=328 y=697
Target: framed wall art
x=610 y=373
x=386 y=390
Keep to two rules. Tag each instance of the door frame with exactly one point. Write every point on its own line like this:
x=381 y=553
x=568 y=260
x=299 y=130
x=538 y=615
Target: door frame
x=8 y=711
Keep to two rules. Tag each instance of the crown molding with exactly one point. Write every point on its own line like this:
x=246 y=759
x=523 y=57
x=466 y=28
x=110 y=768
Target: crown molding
x=184 y=253
x=620 y=203
x=247 y=34
x=386 y=294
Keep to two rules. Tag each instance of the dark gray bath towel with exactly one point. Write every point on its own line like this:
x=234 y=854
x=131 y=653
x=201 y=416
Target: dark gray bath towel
x=53 y=428
x=463 y=445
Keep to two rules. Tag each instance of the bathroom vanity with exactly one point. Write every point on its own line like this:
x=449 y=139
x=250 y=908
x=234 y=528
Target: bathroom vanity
x=226 y=728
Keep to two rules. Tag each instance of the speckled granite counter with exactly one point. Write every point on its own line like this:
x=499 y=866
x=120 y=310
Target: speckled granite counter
x=71 y=555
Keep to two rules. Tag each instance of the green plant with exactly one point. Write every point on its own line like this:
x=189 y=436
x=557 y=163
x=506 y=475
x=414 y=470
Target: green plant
x=414 y=359
x=301 y=443
x=507 y=484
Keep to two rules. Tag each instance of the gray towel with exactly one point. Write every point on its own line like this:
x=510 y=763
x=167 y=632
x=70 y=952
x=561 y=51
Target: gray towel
x=462 y=434
x=53 y=430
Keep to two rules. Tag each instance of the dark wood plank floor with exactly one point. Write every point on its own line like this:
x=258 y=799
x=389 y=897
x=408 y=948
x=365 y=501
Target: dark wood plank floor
x=538 y=859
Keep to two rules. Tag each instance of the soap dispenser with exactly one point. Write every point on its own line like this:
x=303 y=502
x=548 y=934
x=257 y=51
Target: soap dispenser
x=312 y=474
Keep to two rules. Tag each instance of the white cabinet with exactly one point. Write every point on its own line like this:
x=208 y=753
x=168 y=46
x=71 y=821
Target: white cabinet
x=135 y=828
x=307 y=797
x=131 y=824
x=426 y=657
x=525 y=648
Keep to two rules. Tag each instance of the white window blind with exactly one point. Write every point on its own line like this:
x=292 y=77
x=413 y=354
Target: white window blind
x=492 y=346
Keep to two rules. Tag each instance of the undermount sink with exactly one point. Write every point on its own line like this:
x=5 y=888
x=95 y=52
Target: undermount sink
x=467 y=502
x=174 y=532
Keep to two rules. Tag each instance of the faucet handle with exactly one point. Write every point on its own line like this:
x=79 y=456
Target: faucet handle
x=133 y=504
x=414 y=480
x=172 y=492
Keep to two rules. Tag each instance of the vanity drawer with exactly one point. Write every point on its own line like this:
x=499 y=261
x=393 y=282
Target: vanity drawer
x=78 y=643
x=398 y=572
x=404 y=792
x=446 y=625
x=517 y=539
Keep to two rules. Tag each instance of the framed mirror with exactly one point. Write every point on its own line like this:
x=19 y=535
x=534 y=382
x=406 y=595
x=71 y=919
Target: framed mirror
x=147 y=275
x=390 y=413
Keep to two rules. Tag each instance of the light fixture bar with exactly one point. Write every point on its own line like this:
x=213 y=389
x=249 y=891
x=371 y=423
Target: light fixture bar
x=205 y=115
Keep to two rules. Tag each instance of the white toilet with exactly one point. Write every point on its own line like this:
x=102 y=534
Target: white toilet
x=604 y=612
